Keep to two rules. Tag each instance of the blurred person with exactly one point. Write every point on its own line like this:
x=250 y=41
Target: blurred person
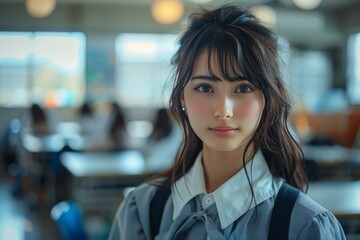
x=86 y=109
x=238 y=156
x=115 y=138
x=117 y=131
x=164 y=141
x=39 y=122
x=86 y=118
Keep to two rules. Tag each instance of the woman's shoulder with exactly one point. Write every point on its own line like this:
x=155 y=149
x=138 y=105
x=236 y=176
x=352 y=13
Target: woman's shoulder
x=308 y=206
x=132 y=218
x=141 y=194
x=310 y=219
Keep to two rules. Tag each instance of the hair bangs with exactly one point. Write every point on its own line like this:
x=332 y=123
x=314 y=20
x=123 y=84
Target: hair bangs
x=223 y=60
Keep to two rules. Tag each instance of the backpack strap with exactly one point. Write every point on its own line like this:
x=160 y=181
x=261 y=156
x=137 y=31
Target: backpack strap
x=281 y=214
x=157 y=208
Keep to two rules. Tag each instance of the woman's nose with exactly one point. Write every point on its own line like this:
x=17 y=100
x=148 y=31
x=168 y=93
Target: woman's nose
x=224 y=108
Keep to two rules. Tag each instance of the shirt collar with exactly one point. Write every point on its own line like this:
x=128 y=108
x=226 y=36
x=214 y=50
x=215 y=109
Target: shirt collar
x=234 y=197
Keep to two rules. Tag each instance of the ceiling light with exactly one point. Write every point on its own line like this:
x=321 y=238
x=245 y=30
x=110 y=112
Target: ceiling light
x=167 y=11
x=266 y=14
x=40 y=8
x=200 y=1
x=307 y=4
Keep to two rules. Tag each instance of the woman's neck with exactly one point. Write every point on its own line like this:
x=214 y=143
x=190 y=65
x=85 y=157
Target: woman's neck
x=221 y=166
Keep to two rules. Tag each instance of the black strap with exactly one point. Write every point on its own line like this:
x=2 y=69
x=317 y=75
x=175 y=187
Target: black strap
x=281 y=214
x=157 y=208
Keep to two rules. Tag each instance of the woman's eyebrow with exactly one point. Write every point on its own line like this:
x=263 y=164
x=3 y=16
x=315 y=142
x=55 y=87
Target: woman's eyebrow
x=204 y=77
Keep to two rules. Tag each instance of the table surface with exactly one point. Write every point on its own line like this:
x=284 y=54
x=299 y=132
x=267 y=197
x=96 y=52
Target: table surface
x=127 y=163
x=331 y=154
x=42 y=143
x=341 y=198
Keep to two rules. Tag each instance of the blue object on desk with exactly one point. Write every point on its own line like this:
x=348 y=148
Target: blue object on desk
x=69 y=220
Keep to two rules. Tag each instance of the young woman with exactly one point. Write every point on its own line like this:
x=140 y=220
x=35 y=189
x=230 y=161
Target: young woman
x=230 y=99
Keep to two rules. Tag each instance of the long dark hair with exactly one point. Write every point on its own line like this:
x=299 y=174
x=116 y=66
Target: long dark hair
x=163 y=125
x=239 y=42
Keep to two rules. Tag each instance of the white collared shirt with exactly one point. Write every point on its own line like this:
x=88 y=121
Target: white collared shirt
x=234 y=197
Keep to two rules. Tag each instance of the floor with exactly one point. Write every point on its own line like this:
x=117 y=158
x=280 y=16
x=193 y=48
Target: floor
x=25 y=217
x=20 y=220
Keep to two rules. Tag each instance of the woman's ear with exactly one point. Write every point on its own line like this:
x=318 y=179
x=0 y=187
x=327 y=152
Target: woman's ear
x=182 y=100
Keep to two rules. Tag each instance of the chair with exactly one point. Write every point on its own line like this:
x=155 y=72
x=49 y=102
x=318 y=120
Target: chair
x=355 y=156
x=9 y=155
x=356 y=143
x=69 y=220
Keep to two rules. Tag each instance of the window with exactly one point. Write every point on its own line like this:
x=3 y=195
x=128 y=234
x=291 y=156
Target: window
x=310 y=75
x=353 y=69
x=42 y=67
x=142 y=68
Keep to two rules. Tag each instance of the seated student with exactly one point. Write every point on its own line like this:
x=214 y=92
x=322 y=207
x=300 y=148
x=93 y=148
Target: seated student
x=115 y=136
x=164 y=141
x=238 y=157
x=117 y=131
x=86 y=117
x=38 y=122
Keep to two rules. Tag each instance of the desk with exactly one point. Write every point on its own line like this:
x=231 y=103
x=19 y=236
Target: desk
x=341 y=198
x=125 y=165
x=334 y=162
x=42 y=143
x=42 y=163
x=100 y=177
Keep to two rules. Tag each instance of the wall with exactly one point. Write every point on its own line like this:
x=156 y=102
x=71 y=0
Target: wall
x=88 y=18
x=310 y=30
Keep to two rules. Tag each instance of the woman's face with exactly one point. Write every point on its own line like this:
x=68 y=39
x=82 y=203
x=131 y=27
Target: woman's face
x=223 y=114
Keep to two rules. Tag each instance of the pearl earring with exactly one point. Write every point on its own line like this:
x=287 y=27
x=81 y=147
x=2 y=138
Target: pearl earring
x=183 y=109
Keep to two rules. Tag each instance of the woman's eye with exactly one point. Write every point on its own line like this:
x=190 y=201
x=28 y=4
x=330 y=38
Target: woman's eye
x=204 y=88
x=244 y=89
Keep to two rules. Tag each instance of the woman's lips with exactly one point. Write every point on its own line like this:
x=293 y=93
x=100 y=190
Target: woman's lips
x=223 y=130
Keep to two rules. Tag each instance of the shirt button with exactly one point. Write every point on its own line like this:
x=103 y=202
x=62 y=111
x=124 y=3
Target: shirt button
x=207 y=201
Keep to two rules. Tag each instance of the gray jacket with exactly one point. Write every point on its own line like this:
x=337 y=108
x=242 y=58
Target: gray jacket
x=309 y=220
